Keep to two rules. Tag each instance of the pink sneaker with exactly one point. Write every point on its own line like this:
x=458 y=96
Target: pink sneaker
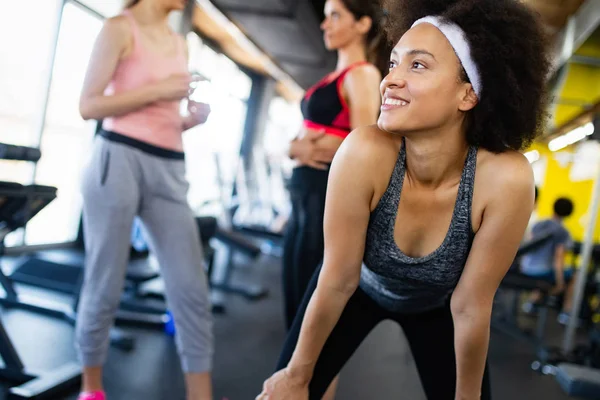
x=92 y=396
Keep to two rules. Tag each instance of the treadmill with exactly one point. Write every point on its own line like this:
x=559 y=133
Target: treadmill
x=18 y=204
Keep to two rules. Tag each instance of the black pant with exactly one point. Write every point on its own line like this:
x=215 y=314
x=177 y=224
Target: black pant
x=303 y=242
x=430 y=336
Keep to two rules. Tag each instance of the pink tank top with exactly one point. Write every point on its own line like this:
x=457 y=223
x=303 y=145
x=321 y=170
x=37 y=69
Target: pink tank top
x=160 y=123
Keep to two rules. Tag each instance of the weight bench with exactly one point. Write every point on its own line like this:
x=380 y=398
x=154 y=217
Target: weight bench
x=507 y=323
x=231 y=243
x=219 y=273
x=579 y=381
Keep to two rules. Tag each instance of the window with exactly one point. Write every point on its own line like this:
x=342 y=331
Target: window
x=23 y=71
x=25 y=63
x=66 y=137
x=212 y=149
x=284 y=123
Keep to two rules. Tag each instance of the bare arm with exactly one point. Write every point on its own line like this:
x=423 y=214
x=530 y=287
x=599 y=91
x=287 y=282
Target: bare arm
x=362 y=87
x=504 y=221
x=111 y=44
x=347 y=210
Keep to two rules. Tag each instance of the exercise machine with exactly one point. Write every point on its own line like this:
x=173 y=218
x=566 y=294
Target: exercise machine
x=18 y=204
x=588 y=354
x=220 y=247
x=33 y=384
x=504 y=317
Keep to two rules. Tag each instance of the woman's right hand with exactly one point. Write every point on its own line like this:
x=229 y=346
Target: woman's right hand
x=173 y=88
x=281 y=386
x=305 y=150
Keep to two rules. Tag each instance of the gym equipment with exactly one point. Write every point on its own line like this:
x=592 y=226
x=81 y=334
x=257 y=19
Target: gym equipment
x=504 y=318
x=18 y=204
x=19 y=153
x=135 y=290
x=33 y=384
x=586 y=255
x=579 y=381
x=231 y=243
x=220 y=247
x=251 y=207
x=549 y=357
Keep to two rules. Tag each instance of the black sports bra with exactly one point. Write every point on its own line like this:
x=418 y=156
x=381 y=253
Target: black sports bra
x=324 y=106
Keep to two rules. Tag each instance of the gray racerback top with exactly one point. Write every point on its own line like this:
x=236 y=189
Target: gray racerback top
x=404 y=284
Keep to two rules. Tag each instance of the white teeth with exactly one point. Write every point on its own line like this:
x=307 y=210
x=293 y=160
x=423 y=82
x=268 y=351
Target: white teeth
x=394 y=102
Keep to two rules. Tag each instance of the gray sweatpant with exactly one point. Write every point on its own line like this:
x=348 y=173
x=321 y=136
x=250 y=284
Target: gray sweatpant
x=120 y=183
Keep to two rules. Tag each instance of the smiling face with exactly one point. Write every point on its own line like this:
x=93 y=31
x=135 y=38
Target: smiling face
x=424 y=89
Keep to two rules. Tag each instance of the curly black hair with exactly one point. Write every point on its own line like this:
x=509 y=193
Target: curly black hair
x=509 y=46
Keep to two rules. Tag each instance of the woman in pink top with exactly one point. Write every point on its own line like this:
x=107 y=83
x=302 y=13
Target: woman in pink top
x=136 y=79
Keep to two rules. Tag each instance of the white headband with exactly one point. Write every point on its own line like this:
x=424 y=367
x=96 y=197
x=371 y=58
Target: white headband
x=458 y=40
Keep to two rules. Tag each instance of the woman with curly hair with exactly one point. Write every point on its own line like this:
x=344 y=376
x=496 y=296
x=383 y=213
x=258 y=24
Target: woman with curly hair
x=425 y=211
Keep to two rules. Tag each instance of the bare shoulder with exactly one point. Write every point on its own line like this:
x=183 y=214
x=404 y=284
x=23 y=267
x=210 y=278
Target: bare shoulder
x=367 y=157
x=363 y=72
x=371 y=145
x=117 y=25
x=362 y=78
x=503 y=178
x=116 y=32
x=507 y=168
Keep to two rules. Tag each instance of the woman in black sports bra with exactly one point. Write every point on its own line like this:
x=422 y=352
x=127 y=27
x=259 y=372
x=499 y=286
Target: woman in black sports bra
x=343 y=100
x=340 y=102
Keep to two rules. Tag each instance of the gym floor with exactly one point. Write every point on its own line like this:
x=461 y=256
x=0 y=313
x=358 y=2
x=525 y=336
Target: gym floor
x=248 y=340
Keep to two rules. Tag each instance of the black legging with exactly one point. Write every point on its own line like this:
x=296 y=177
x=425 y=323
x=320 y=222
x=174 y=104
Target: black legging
x=430 y=336
x=303 y=242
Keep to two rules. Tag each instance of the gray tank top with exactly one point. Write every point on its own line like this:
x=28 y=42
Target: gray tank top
x=404 y=284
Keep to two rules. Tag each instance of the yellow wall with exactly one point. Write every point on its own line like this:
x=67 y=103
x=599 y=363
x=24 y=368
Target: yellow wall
x=557 y=184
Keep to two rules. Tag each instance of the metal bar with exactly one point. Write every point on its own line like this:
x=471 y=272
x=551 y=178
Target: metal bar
x=45 y=93
x=36 y=305
x=48 y=383
x=9 y=353
x=187 y=18
x=248 y=45
x=577 y=29
x=303 y=62
x=262 y=12
x=20 y=250
x=586 y=255
x=87 y=9
x=573 y=102
x=585 y=60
